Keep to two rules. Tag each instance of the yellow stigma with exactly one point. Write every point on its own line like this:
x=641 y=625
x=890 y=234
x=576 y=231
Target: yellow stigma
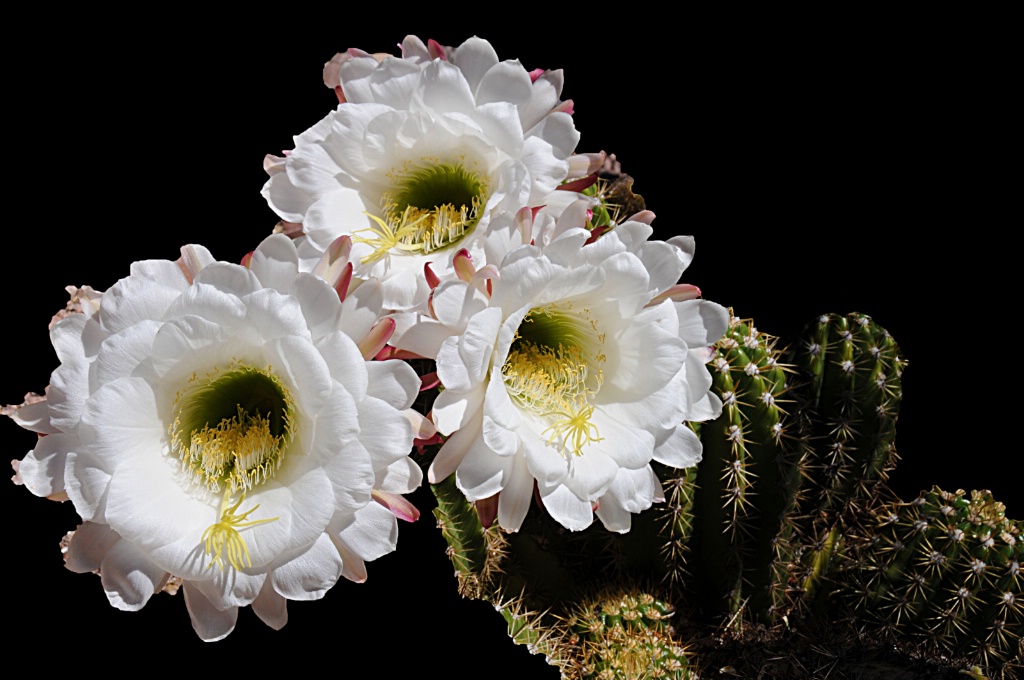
x=223 y=535
x=429 y=208
x=551 y=371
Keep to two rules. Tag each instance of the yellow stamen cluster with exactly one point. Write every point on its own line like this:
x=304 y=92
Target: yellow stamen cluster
x=240 y=450
x=416 y=231
x=556 y=382
x=430 y=208
x=223 y=535
x=231 y=428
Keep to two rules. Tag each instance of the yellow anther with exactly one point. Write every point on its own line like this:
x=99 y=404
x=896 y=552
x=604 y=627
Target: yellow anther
x=557 y=382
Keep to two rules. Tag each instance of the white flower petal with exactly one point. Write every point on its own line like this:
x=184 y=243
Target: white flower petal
x=568 y=510
x=701 y=322
x=393 y=382
x=271 y=607
x=210 y=623
x=275 y=263
x=310 y=575
x=386 y=436
x=682 y=449
x=475 y=58
x=454 y=409
x=514 y=500
x=42 y=469
x=451 y=454
x=402 y=476
x=89 y=546
x=481 y=473
x=129 y=577
x=372 y=535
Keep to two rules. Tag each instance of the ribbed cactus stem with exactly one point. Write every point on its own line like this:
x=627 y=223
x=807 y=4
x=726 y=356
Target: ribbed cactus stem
x=467 y=543
x=853 y=369
x=944 y=571
x=676 y=524
x=746 y=482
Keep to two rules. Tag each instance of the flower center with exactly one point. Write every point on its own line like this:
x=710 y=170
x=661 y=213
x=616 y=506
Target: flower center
x=428 y=208
x=231 y=428
x=553 y=370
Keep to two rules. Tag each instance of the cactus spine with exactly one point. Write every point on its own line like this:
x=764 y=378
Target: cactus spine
x=745 y=484
x=945 y=571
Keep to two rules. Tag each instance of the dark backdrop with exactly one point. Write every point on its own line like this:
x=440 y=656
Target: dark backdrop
x=845 y=168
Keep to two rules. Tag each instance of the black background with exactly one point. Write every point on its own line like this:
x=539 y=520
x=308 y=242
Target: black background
x=836 y=165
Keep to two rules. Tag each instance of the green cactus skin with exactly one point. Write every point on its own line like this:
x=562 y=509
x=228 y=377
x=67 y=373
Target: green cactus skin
x=848 y=392
x=850 y=404
x=944 y=571
x=468 y=546
x=675 y=525
x=746 y=484
x=627 y=636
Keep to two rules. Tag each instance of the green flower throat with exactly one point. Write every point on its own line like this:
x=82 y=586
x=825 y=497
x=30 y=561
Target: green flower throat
x=231 y=429
x=428 y=209
x=554 y=370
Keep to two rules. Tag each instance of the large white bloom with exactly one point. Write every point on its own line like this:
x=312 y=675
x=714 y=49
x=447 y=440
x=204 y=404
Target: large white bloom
x=576 y=370
x=423 y=157
x=220 y=424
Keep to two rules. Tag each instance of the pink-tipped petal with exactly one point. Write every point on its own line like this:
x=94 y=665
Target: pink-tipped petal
x=579 y=184
x=390 y=352
x=421 y=444
x=191 y=262
x=429 y=381
x=378 y=336
x=582 y=164
x=247 y=259
x=463 y=264
x=596 y=233
x=645 y=216
x=332 y=70
x=524 y=221
x=536 y=73
x=679 y=293
x=343 y=282
x=333 y=264
x=487 y=509
x=422 y=427
x=436 y=50
x=564 y=107
x=292 y=230
x=486 y=273
x=273 y=164
x=397 y=504
x=430 y=276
